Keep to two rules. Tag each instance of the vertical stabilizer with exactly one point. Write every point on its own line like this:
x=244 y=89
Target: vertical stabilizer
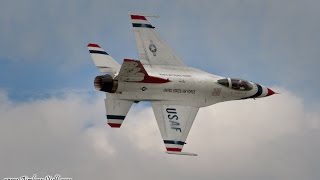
x=103 y=61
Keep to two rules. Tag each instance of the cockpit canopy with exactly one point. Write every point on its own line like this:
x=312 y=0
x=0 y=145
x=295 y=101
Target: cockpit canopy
x=236 y=84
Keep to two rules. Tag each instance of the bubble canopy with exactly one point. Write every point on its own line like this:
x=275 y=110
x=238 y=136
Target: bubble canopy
x=236 y=84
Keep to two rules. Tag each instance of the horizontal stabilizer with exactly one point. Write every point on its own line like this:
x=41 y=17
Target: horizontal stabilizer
x=116 y=111
x=182 y=153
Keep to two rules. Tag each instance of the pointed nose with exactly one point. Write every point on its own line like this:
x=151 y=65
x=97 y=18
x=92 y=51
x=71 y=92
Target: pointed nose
x=270 y=92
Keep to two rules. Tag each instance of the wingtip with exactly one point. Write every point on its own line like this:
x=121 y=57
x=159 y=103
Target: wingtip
x=114 y=125
x=143 y=15
x=93 y=45
x=181 y=153
x=138 y=17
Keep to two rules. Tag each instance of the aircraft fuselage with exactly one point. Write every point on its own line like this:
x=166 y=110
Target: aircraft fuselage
x=188 y=86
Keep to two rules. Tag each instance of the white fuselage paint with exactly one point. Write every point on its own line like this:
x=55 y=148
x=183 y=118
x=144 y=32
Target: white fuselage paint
x=187 y=86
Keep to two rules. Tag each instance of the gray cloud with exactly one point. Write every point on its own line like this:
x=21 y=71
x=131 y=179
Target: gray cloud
x=271 y=138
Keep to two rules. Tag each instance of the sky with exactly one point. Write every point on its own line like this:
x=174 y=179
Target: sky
x=53 y=121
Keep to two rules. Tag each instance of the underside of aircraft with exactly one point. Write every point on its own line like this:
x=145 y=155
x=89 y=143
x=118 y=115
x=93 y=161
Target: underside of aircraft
x=175 y=90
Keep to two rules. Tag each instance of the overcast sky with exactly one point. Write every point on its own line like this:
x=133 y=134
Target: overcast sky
x=53 y=121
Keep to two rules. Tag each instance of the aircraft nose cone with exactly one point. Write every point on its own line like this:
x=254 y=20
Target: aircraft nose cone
x=270 y=92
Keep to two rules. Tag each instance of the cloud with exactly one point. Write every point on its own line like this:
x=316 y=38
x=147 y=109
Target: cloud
x=274 y=137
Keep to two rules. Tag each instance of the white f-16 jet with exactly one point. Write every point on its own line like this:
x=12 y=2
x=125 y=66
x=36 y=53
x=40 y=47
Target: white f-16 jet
x=175 y=90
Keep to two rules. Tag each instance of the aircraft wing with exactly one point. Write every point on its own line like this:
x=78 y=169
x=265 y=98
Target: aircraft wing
x=152 y=49
x=174 y=122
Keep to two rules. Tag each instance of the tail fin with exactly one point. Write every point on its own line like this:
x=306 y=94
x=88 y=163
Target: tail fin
x=103 y=61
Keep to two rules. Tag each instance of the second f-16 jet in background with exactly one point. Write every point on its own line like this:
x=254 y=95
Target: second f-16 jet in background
x=175 y=90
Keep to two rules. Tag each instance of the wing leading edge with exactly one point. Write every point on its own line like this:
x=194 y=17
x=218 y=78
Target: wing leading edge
x=174 y=122
x=152 y=49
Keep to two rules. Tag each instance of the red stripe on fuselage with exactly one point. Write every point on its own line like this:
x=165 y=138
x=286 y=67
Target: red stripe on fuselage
x=138 y=17
x=152 y=79
x=147 y=78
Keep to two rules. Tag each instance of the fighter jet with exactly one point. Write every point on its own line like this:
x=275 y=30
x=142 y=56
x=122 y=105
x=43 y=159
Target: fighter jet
x=175 y=90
